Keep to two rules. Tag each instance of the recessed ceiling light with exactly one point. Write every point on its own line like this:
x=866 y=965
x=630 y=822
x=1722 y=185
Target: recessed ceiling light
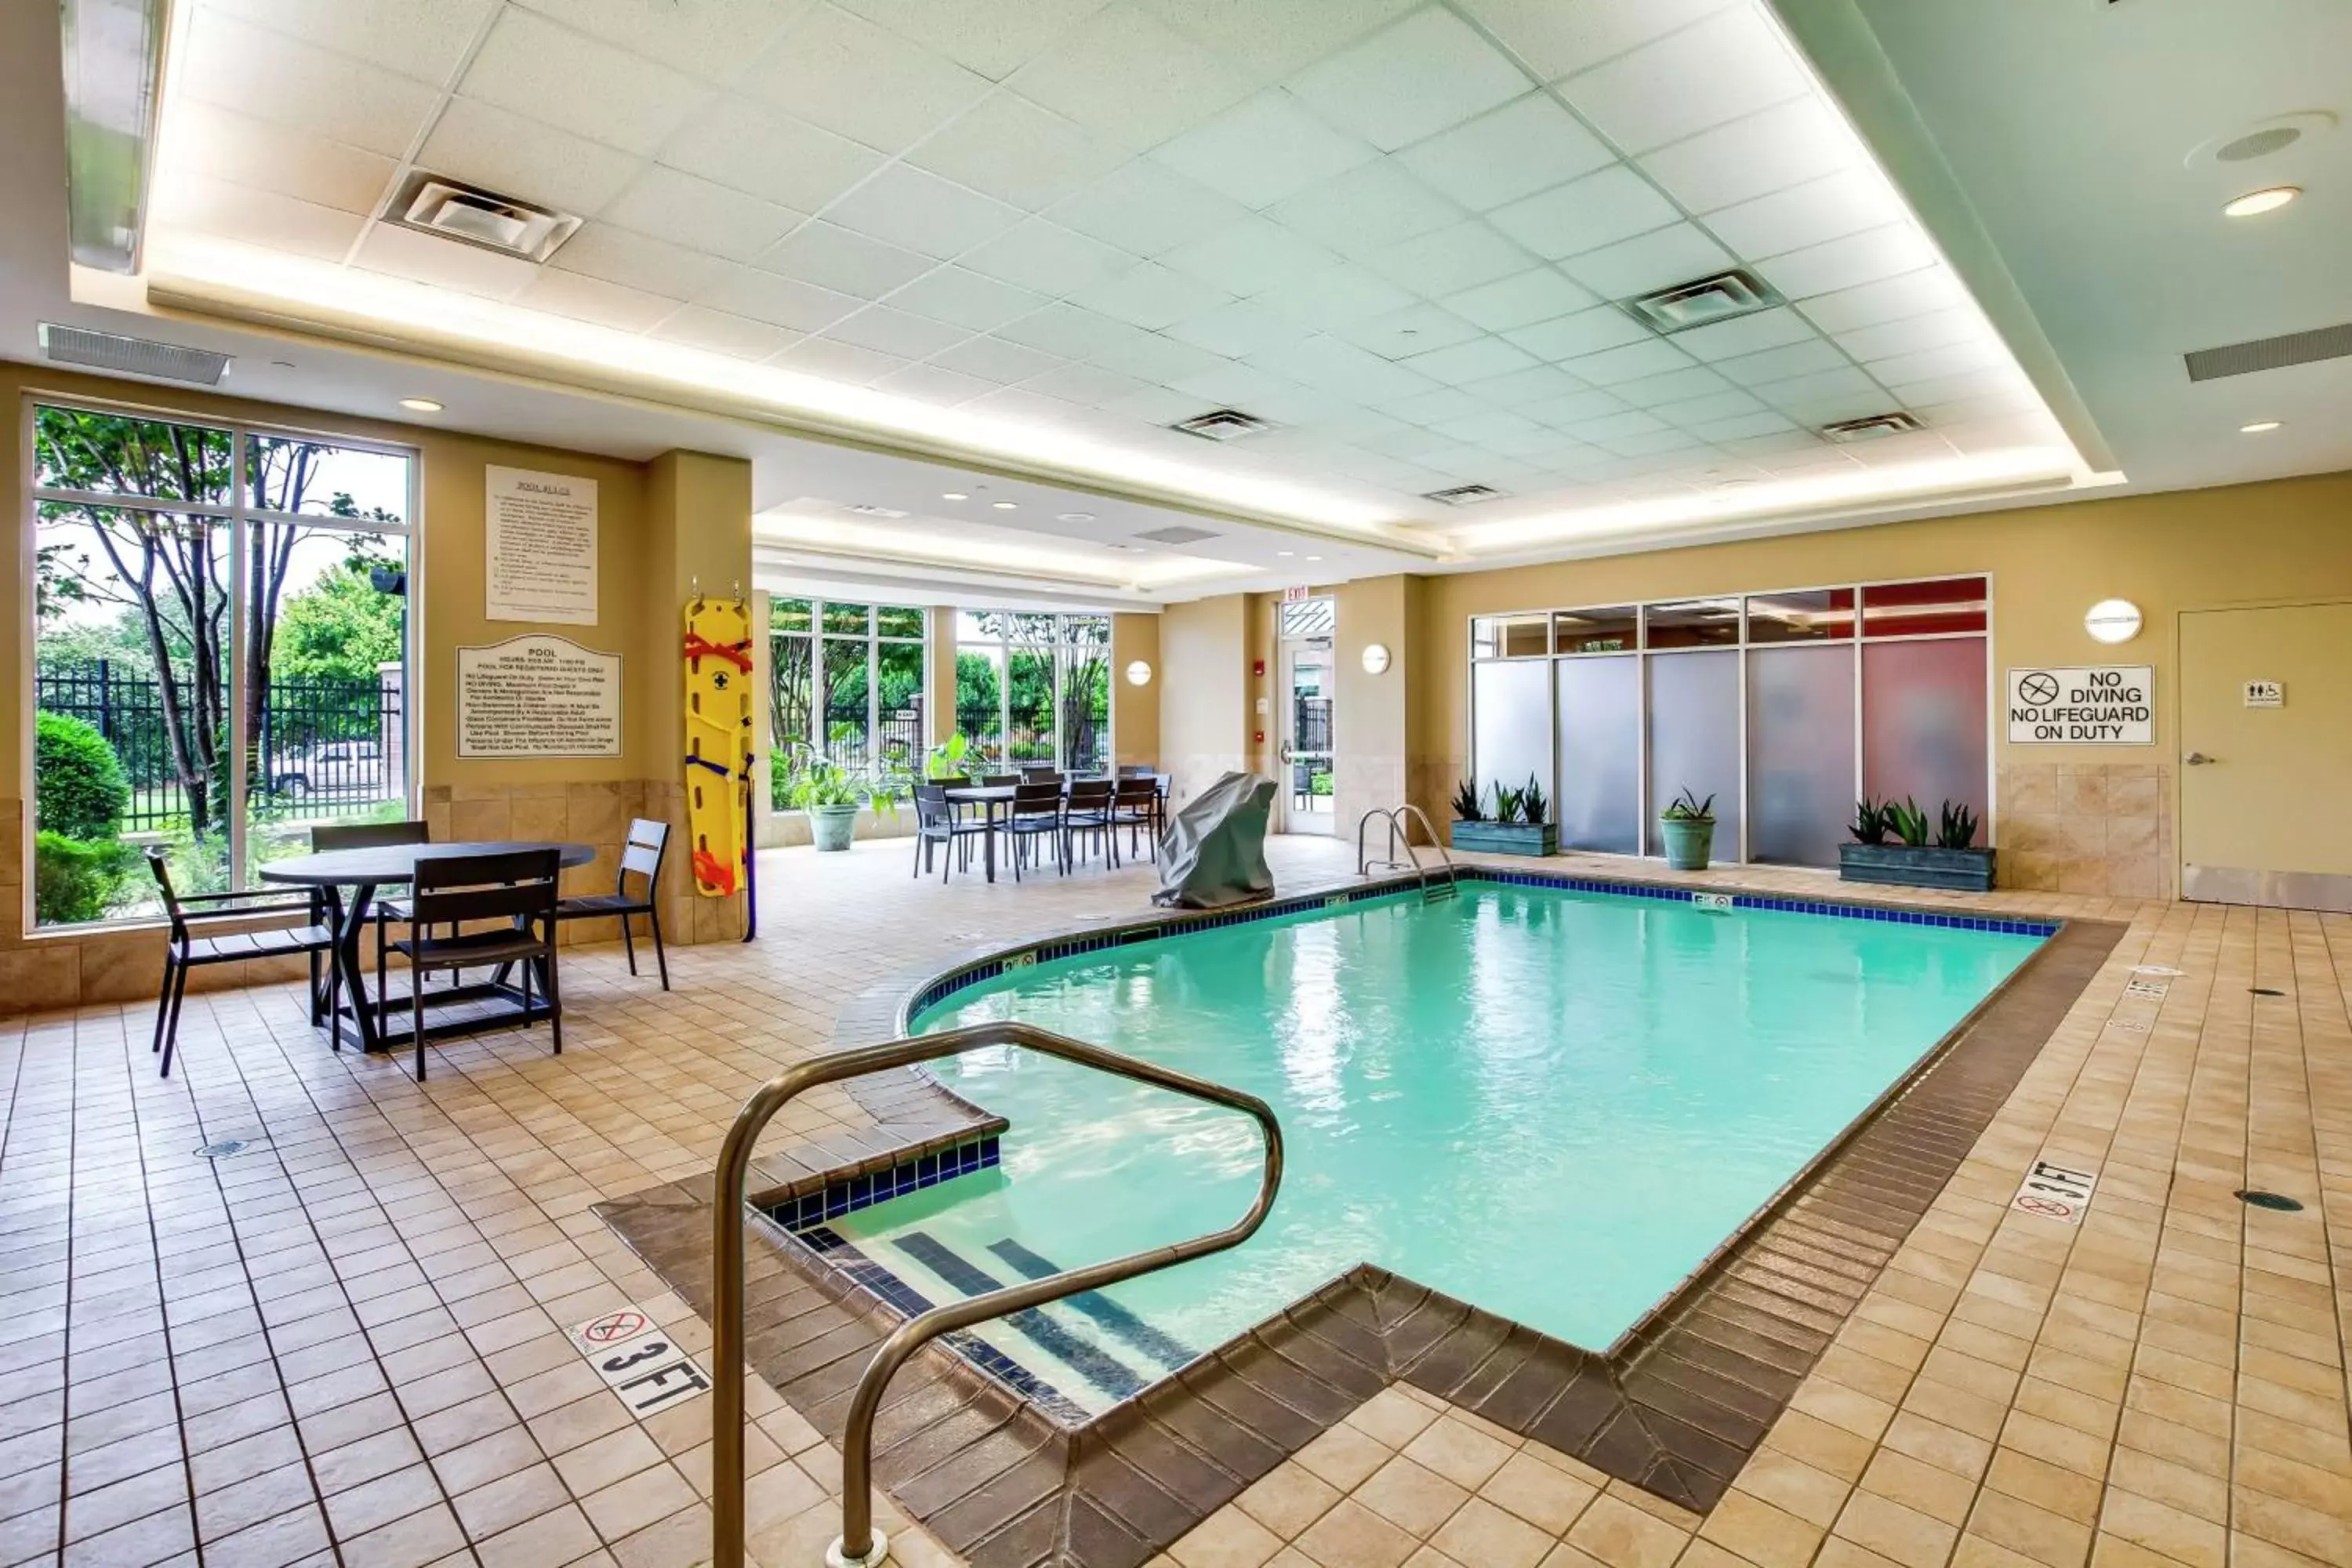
x=1074 y=517
x=953 y=495
x=2258 y=425
x=1315 y=558
x=1286 y=552
x=420 y=405
x=1005 y=505
x=2256 y=202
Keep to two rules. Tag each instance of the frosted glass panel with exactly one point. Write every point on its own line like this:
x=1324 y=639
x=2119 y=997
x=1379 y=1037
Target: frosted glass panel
x=1922 y=722
x=1800 y=789
x=1601 y=754
x=1511 y=723
x=1695 y=739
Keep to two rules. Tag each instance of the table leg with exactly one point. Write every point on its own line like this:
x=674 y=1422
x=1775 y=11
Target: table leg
x=350 y=924
x=988 y=842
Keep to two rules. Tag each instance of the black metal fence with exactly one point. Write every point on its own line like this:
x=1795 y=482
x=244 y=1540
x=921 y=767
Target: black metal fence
x=322 y=746
x=1311 y=725
x=896 y=742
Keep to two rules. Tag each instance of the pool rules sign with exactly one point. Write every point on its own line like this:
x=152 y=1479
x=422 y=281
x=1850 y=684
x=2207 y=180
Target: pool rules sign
x=2100 y=705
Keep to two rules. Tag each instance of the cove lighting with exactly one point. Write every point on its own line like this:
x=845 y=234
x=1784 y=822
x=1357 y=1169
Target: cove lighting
x=2255 y=203
x=948 y=552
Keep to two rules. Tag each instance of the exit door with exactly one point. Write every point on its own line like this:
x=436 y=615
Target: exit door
x=1307 y=737
x=2266 y=745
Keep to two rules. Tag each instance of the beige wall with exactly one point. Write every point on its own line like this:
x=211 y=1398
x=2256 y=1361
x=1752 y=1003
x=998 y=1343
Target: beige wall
x=1135 y=710
x=685 y=514
x=1371 y=714
x=1204 y=721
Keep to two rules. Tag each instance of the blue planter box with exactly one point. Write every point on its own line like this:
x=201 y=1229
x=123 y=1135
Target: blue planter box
x=1507 y=838
x=1901 y=866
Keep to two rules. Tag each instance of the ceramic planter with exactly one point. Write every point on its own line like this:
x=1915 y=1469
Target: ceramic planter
x=1690 y=841
x=1901 y=866
x=1507 y=838
x=833 y=826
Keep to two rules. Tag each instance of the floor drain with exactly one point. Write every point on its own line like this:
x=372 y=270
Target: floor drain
x=2263 y=1200
x=224 y=1148
x=2265 y=990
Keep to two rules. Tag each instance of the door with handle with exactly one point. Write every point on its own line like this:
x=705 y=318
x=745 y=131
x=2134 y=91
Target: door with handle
x=1309 y=679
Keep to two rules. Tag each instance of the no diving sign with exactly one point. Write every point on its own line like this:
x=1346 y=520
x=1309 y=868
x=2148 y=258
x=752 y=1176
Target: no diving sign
x=2105 y=705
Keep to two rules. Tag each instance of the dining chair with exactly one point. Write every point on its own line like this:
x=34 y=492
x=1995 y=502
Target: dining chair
x=184 y=950
x=328 y=837
x=938 y=824
x=642 y=857
x=1036 y=812
x=516 y=886
x=1136 y=807
x=1088 y=810
x=999 y=781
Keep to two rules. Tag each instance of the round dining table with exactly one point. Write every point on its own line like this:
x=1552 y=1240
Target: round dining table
x=347 y=880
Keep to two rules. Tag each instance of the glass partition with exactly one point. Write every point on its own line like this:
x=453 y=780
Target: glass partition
x=1613 y=630
x=1922 y=722
x=1694 y=740
x=1804 y=615
x=1924 y=609
x=1801 y=753
x=1600 y=792
x=1510 y=706
x=847 y=681
x=1691 y=622
x=1033 y=686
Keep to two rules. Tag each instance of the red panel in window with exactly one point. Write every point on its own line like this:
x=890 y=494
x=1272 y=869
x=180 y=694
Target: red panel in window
x=1921 y=609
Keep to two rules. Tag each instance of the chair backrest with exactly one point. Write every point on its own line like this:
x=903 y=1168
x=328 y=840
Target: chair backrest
x=951 y=780
x=1089 y=794
x=649 y=841
x=159 y=864
x=932 y=807
x=367 y=834
x=451 y=889
x=1035 y=767
x=1037 y=799
x=999 y=781
x=1136 y=792
x=1134 y=770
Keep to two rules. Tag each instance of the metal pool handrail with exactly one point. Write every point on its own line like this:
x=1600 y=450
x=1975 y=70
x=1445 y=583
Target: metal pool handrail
x=1390 y=815
x=726 y=1524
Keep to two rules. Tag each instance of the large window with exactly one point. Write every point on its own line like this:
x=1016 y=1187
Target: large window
x=1785 y=707
x=847 y=681
x=1035 y=688
x=221 y=650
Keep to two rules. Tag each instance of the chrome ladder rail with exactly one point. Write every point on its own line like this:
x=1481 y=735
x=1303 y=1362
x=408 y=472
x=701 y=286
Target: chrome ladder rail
x=1430 y=892
x=726 y=1521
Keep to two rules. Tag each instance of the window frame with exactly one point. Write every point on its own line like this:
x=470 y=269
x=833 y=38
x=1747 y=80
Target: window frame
x=874 y=640
x=1058 y=651
x=241 y=517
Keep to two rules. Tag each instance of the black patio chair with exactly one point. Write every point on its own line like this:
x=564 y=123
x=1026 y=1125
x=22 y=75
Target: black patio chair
x=1089 y=811
x=513 y=886
x=388 y=911
x=184 y=950
x=1036 y=813
x=939 y=825
x=642 y=857
x=1136 y=807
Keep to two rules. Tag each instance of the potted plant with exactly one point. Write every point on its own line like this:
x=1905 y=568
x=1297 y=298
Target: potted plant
x=832 y=795
x=1516 y=821
x=1909 y=861
x=1687 y=826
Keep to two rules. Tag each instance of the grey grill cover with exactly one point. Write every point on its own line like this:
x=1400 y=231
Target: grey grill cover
x=1214 y=854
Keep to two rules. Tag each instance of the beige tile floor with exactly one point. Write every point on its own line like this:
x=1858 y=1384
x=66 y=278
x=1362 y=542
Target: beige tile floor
x=346 y=1342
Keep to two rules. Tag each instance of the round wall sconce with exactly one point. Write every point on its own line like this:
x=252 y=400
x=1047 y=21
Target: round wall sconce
x=1376 y=657
x=2112 y=621
x=1139 y=673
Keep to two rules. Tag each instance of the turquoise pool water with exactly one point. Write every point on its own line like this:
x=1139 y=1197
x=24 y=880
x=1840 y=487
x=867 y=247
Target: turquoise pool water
x=1553 y=1105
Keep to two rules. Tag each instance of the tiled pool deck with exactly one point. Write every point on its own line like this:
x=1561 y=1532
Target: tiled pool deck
x=346 y=1342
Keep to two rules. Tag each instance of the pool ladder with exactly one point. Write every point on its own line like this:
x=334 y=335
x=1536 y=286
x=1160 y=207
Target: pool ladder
x=727 y=1412
x=1432 y=891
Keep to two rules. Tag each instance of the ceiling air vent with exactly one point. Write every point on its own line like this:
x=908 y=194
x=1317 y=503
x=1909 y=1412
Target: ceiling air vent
x=2269 y=354
x=1872 y=425
x=1224 y=425
x=1703 y=301
x=1176 y=534
x=471 y=216
x=131 y=356
x=1465 y=495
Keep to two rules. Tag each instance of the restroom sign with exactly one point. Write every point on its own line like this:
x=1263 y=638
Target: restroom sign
x=2074 y=705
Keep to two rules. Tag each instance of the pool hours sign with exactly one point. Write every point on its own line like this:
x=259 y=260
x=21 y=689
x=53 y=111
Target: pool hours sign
x=2103 y=705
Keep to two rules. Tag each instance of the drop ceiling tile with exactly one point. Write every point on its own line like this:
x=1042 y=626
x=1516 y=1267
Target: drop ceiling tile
x=535 y=68
x=1477 y=360
x=993 y=39
x=1539 y=294
x=1408 y=442
x=1613 y=427
x=1241 y=328
x=615 y=255
x=1646 y=99
x=895 y=331
x=1631 y=362
x=1240 y=386
x=1432 y=408
x=426 y=259
x=715 y=331
x=1152 y=356
x=1951 y=359
x=1416 y=329
x=696 y=214
x=1521 y=388
x=1091 y=385
x=996 y=359
x=291 y=83
x=1157 y=405
x=258 y=217
x=1487 y=426
x=1560 y=39
x=1273 y=41
x=1888 y=300
x=1863 y=258
x=1844 y=203
x=1573 y=409
x=1744 y=335
x=205 y=140
x=966 y=298
x=1786 y=146
x=1672 y=386
x=1759 y=448
x=708 y=39
x=1806 y=358
x=849 y=76
x=778 y=300
x=1586 y=331
x=1653 y=444
x=935 y=384
x=1341 y=367
x=765 y=152
x=916 y=211
x=1450 y=261
x=1659 y=259
x=1010 y=149
x=1249 y=258
x=838 y=360
x=1047 y=257
x=1585 y=214
x=1529 y=144
x=1143 y=208
x=1409 y=81
x=1150 y=296
x=1262 y=149
x=486 y=146
x=427 y=39
x=1692 y=412
x=841 y=260
x=1370 y=207
x=1129 y=76
x=1336 y=297
x=1960 y=384
x=586 y=298
x=1935 y=330
x=1806 y=391
x=1540 y=447
x=1067 y=330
